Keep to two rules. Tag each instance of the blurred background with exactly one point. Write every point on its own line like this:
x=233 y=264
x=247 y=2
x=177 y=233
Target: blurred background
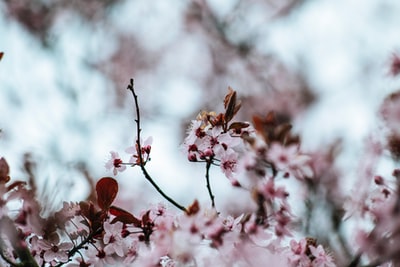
x=322 y=64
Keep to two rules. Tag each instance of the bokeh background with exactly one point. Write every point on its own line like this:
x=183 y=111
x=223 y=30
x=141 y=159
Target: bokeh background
x=322 y=64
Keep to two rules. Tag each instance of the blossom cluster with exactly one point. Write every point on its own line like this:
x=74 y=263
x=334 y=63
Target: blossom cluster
x=88 y=234
x=264 y=160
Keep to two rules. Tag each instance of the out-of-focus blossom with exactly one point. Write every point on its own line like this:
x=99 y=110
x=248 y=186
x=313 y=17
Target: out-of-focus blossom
x=322 y=259
x=289 y=159
x=390 y=111
x=395 y=65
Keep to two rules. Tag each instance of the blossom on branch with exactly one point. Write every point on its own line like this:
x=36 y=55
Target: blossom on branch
x=54 y=250
x=144 y=153
x=115 y=163
x=113 y=240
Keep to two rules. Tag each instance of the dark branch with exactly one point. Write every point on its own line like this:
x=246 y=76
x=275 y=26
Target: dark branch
x=139 y=150
x=209 y=162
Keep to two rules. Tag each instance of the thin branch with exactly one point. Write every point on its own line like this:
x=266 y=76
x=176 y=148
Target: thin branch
x=288 y=9
x=209 y=162
x=139 y=150
x=75 y=249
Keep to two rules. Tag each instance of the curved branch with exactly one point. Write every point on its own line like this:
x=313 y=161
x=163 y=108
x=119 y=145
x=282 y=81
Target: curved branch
x=139 y=150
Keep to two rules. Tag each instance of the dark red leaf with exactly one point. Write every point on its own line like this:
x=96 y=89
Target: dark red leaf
x=231 y=107
x=193 y=208
x=106 y=189
x=238 y=125
x=230 y=96
x=124 y=216
x=4 y=171
x=1 y=55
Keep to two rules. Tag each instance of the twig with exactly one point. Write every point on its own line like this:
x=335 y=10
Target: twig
x=139 y=150
x=76 y=249
x=209 y=162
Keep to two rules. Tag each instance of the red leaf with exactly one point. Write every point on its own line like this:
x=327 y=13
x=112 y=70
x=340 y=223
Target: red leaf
x=231 y=105
x=238 y=125
x=193 y=208
x=124 y=216
x=4 y=171
x=1 y=55
x=106 y=189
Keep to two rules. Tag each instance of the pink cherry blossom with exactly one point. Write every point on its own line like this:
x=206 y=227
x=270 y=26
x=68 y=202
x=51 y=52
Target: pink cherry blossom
x=194 y=131
x=115 y=163
x=270 y=191
x=145 y=151
x=113 y=240
x=289 y=159
x=98 y=258
x=55 y=250
x=322 y=259
x=297 y=254
x=228 y=163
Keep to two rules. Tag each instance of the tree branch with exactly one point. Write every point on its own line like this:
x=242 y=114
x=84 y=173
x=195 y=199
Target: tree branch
x=209 y=162
x=139 y=150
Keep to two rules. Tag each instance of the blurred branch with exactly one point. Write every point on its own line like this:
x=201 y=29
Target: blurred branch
x=288 y=8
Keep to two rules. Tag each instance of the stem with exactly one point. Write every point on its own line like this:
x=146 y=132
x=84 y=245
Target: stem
x=139 y=150
x=76 y=249
x=209 y=162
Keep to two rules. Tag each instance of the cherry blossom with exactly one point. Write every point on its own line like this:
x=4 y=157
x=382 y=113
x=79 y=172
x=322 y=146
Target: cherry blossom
x=322 y=259
x=112 y=239
x=98 y=258
x=145 y=151
x=115 y=163
x=54 y=250
x=228 y=163
x=297 y=254
x=289 y=159
x=251 y=228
